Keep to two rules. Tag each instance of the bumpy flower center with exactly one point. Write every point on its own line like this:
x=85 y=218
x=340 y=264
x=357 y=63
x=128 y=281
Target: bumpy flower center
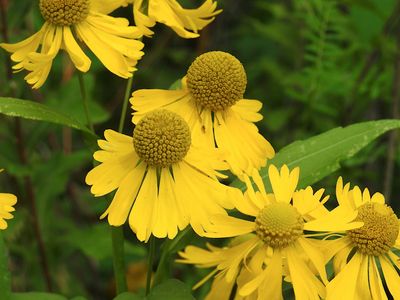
x=380 y=230
x=161 y=138
x=279 y=225
x=216 y=80
x=64 y=12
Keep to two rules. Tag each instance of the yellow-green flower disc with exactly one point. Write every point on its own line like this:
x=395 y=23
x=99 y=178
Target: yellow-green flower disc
x=380 y=230
x=161 y=138
x=279 y=224
x=217 y=80
x=64 y=12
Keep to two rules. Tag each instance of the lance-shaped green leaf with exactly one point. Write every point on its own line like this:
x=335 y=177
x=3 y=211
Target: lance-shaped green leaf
x=321 y=155
x=35 y=111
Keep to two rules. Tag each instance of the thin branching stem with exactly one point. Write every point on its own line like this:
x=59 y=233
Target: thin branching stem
x=152 y=248
x=85 y=101
x=125 y=104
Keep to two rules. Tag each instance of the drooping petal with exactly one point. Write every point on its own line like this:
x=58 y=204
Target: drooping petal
x=116 y=49
x=200 y=196
x=344 y=285
x=316 y=256
x=227 y=226
x=121 y=205
x=246 y=147
x=39 y=64
x=142 y=21
x=106 y=7
x=171 y=216
x=376 y=286
x=78 y=57
x=392 y=277
x=141 y=216
x=305 y=284
x=269 y=281
x=248 y=110
x=21 y=49
x=181 y=20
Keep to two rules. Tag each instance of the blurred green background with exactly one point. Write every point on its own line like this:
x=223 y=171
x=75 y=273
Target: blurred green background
x=315 y=65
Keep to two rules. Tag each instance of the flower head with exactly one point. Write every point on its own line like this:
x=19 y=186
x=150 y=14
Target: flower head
x=275 y=244
x=357 y=253
x=67 y=22
x=211 y=101
x=7 y=201
x=163 y=182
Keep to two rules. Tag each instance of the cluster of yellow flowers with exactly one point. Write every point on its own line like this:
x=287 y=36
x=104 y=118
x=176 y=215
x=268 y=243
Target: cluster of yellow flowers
x=167 y=173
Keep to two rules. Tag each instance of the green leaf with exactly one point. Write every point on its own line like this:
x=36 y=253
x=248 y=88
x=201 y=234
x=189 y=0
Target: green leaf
x=171 y=289
x=321 y=155
x=36 y=111
x=128 y=296
x=36 y=296
x=5 y=284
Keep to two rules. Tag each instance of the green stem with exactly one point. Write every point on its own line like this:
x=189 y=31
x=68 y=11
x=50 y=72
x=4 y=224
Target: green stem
x=85 y=101
x=117 y=235
x=5 y=284
x=152 y=248
x=125 y=104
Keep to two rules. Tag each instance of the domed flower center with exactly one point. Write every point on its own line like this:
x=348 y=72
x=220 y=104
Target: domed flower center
x=279 y=225
x=161 y=138
x=216 y=80
x=380 y=230
x=64 y=12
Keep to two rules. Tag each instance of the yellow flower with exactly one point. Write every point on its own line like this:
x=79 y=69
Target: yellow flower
x=274 y=244
x=211 y=101
x=185 y=22
x=111 y=39
x=163 y=182
x=7 y=201
x=357 y=253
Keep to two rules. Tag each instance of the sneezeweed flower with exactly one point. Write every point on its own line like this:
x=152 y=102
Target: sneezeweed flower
x=185 y=22
x=277 y=243
x=163 y=182
x=211 y=101
x=360 y=253
x=67 y=22
x=7 y=201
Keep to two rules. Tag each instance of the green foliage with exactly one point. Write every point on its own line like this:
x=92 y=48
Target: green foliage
x=318 y=66
x=321 y=155
x=171 y=289
x=36 y=111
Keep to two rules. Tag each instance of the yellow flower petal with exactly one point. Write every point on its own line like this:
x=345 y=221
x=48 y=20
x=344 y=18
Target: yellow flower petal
x=179 y=19
x=315 y=255
x=392 y=278
x=284 y=182
x=125 y=196
x=142 y=21
x=344 y=285
x=78 y=57
x=142 y=213
x=112 y=49
x=227 y=226
x=7 y=201
x=375 y=281
x=269 y=281
x=106 y=7
x=248 y=110
x=305 y=283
